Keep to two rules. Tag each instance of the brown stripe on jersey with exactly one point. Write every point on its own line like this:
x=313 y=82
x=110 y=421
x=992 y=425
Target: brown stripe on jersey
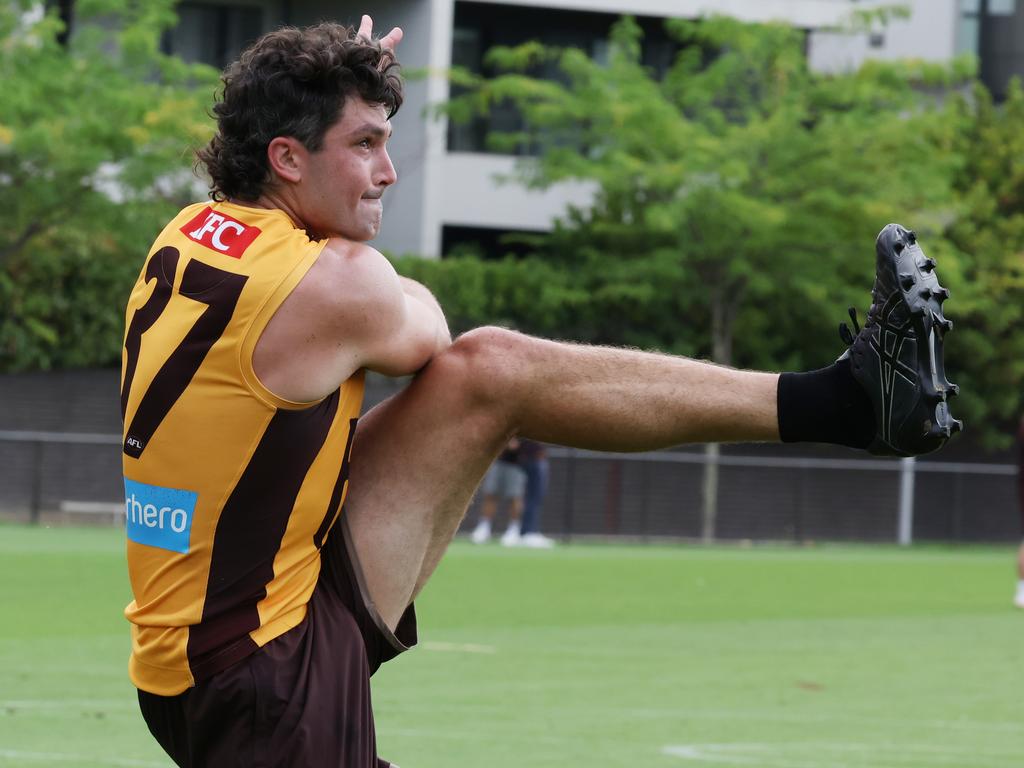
x=162 y=268
x=249 y=533
x=219 y=290
x=339 y=489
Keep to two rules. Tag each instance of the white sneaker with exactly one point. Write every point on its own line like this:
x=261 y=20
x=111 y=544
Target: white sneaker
x=481 y=533
x=511 y=536
x=536 y=541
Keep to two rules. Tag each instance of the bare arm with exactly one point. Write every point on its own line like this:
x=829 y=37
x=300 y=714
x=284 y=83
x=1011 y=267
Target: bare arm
x=417 y=292
x=350 y=311
x=421 y=332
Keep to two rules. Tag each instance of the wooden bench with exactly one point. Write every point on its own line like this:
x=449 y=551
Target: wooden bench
x=112 y=509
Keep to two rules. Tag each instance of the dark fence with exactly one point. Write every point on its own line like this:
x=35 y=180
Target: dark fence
x=780 y=498
x=60 y=459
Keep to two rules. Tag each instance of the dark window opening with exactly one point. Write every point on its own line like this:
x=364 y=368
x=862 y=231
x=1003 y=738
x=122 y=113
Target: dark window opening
x=487 y=243
x=213 y=34
x=479 y=27
x=999 y=40
x=66 y=13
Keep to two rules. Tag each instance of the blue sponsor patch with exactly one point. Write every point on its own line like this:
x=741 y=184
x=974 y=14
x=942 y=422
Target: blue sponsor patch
x=159 y=517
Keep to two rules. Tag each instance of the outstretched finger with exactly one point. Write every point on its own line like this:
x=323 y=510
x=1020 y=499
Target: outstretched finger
x=392 y=38
x=366 y=27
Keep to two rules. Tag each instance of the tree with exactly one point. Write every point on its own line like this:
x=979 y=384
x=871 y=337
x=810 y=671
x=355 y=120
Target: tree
x=94 y=158
x=737 y=196
x=748 y=185
x=987 y=238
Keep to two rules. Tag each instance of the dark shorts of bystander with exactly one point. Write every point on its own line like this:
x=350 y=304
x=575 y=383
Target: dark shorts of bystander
x=505 y=480
x=303 y=699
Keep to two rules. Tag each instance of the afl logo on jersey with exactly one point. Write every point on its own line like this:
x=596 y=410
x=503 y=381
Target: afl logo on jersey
x=221 y=233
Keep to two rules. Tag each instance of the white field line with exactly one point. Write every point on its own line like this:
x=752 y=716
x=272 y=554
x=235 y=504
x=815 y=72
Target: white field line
x=435 y=645
x=61 y=757
x=710 y=753
x=457 y=708
x=126 y=704
x=937 y=750
x=879 y=755
x=695 y=553
x=738 y=715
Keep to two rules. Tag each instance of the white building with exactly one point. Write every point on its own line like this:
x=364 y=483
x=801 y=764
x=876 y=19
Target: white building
x=447 y=191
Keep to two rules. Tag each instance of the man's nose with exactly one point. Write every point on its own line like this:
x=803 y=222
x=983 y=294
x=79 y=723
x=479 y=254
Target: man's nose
x=386 y=174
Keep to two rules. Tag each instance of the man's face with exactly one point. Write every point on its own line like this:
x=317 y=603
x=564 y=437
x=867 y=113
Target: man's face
x=342 y=183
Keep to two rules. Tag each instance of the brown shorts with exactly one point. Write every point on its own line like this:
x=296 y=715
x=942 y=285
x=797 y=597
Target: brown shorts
x=303 y=699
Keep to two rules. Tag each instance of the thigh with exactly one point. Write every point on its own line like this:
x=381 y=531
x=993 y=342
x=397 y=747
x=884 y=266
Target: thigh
x=165 y=718
x=343 y=580
x=209 y=725
x=417 y=460
x=303 y=699
x=313 y=693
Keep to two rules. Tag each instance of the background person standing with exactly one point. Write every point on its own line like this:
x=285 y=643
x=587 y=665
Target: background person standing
x=504 y=480
x=533 y=458
x=1018 y=600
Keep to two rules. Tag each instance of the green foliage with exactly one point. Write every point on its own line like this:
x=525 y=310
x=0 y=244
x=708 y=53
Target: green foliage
x=94 y=158
x=746 y=187
x=737 y=197
x=987 y=238
x=470 y=289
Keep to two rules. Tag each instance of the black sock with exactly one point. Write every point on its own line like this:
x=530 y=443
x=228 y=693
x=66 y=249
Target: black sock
x=825 y=406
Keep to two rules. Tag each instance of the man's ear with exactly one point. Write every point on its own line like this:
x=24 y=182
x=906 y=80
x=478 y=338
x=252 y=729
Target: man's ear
x=286 y=156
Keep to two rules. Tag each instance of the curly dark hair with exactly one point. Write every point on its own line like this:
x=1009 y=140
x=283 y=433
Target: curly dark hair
x=291 y=82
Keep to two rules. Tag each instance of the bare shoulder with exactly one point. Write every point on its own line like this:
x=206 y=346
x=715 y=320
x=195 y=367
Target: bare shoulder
x=349 y=278
x=319 y=335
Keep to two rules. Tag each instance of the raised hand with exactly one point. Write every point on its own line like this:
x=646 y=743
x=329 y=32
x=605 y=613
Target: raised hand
x=390 y=40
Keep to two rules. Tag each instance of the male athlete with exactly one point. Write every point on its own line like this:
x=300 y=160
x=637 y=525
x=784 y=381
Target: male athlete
x=271 y=574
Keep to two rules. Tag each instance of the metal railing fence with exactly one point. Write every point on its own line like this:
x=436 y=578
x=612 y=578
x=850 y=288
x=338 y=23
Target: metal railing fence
x=647 y=496
x=779 y=498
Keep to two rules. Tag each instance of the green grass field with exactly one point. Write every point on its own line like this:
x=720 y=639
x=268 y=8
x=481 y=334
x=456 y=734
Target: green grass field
x=827 y=657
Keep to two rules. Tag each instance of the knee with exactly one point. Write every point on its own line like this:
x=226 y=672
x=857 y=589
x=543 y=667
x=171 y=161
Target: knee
x=485 y=363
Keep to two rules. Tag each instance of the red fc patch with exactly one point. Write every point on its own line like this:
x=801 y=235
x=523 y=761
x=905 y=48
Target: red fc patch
x=221 y=233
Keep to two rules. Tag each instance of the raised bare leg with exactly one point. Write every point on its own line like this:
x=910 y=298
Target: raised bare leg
x=419 y=456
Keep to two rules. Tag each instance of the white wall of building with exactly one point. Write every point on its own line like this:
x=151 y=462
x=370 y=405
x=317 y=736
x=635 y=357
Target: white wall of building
x=929 y=34
x=480 y=188
x=803 y=13
x=438 y=188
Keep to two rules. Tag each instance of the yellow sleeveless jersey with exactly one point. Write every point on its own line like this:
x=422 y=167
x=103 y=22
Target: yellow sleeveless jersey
x=230 y=491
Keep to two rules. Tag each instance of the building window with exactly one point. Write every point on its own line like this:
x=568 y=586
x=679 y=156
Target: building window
x=968 y=27
x=213 y=33
x=481 y=26
x=1000 y=44
x=486 y=243
x=968 y=30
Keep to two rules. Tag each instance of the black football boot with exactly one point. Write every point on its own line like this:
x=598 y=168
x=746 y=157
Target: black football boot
x=897 y=356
